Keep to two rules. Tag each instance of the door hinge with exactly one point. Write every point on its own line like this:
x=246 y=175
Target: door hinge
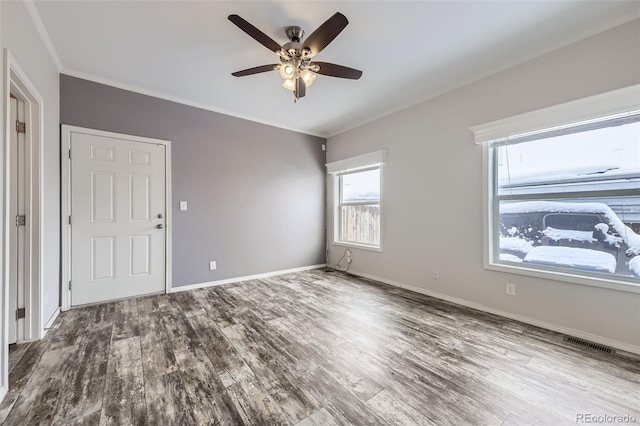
x=21 y=220
x=21 y=127
x=69 y=154
x=69 y=285
x=69 y=219
x=21 y=313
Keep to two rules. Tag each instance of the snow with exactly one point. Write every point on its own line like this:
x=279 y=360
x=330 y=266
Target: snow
x=553 y=207
x=509 y=257
x=585 y=173
x=604 y=154
x=361 y=186
x=573 y=257
x=515 y=244
x=602 y=227
x=634 y=265
x=613 y=240
x=628 y=236
x=568 y=234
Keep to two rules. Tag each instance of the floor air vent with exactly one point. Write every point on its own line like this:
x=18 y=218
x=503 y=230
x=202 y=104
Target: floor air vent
x=589 y=345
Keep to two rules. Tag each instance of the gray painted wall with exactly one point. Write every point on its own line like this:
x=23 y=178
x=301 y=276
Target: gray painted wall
x=255 y=192
x=432 y=211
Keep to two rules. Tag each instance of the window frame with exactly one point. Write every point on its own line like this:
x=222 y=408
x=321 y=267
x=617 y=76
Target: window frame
x=598 y=106
x=338 y=203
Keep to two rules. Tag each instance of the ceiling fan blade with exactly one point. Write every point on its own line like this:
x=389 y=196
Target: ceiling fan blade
x=301 y=88
x=340 y=71
x=255 y=33
x=255 y=70
x=325 y=33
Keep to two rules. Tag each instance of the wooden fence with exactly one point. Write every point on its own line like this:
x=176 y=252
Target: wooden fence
x=361 y=224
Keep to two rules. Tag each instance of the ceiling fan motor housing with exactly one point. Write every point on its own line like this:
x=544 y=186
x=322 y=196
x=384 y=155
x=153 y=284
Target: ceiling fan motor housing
x=293 y=48
x=294 y=33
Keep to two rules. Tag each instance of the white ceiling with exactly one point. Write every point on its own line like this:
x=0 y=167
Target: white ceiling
x=408 y=51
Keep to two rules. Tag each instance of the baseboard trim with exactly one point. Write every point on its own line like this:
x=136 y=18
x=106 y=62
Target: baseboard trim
x=3 y=389
x=49 y=323
x=244 y=278
x=634 y=349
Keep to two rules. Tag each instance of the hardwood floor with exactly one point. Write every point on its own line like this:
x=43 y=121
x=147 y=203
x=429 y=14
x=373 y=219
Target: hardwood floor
x=308 y=349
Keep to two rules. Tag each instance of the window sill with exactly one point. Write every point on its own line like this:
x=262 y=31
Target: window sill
x=608 y=283
x=357 y=246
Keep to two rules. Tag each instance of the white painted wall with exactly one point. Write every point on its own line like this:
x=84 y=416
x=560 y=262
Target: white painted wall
x=432 y=212
x=19 y=35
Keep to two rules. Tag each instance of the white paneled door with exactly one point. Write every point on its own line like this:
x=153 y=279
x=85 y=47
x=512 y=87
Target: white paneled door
x=118 y=199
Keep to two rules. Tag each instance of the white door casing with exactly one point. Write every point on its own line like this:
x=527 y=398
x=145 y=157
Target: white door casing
x=16 y=233
x=16 y=82
x=118 y=208
x=12 y=283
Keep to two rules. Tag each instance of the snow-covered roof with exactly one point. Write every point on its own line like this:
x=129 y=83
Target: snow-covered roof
x=586 y=175
x=554 y=207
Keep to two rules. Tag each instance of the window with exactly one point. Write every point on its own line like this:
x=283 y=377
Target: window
x=357 y=201
x=565 y=200
x=359 y=207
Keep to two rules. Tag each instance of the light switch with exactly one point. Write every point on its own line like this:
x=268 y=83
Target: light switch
x=183 y=205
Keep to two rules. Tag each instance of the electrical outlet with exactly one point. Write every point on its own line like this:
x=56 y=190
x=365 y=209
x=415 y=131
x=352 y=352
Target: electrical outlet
x=511 y=289
x=183 y=205
x=349 y=260
x=436 y=275
x=212 y=265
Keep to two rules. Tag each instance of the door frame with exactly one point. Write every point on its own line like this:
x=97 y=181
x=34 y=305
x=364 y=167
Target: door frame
x=15 y=193
x=67 y=131
x=15 y=81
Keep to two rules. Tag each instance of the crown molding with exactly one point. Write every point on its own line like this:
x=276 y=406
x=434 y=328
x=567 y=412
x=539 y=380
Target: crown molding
x=44 y=35
x=171 y=98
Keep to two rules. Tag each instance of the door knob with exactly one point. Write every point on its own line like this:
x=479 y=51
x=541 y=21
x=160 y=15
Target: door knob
x=159 y=226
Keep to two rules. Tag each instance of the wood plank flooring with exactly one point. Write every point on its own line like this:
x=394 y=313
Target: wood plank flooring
x=305 y=349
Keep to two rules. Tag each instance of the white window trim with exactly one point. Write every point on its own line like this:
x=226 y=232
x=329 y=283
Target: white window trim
x=615 y=102
x=609 y=103
x=361 y=161
x=360 y=246
x=335 y=169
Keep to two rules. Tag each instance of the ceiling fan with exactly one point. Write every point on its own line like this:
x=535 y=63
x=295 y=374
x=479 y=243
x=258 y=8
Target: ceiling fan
x=295 y=65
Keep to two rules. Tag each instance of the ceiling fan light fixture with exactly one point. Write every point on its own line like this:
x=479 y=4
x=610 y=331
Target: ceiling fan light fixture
x=308 y=76
x=289 y=84
x=287 y=71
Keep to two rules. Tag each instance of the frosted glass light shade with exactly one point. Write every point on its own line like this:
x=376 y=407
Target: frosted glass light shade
x=309 y=77
x=289 y=84
x=287 y=71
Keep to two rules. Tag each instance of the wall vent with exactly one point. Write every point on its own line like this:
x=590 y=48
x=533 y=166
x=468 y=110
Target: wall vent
x=594 y=346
